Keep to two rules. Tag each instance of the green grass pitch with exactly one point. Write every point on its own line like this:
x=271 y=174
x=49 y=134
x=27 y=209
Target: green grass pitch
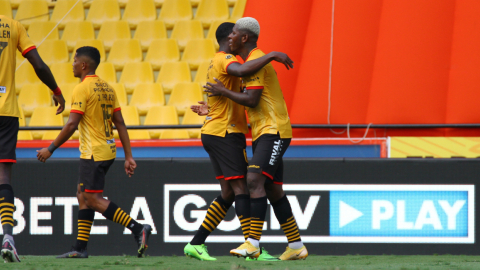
x=349 y=262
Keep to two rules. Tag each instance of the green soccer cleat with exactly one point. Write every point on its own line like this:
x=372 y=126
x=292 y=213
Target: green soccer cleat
x=198 y=252
x=264 y=256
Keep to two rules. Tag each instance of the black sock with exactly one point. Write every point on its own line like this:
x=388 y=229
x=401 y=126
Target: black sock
x=85 y=222
x=285 y=217
x=116 y=214
x=7 y=208
x=258 y=210
x=215 y=214
x=242 y=209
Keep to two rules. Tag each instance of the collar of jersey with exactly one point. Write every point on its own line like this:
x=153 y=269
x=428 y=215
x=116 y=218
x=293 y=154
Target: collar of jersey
x=88 y=76
x=251 y=53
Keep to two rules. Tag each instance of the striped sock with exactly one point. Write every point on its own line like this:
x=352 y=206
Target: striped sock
x=258 y=209
x=287 y=221
x=7 y=208
x=215 y=214
x=116 y=214
x=85 y=222
x=242 y=209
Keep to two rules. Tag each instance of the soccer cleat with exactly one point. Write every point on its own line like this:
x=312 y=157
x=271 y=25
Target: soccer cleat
x=294 y=254
x=198 y=252
x=74 y=254
x=246 y=250
x=264 y=256
x=142 y=240
x=9 y=253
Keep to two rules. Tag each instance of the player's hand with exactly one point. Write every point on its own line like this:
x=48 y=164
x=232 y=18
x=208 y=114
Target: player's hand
x=130 y=166
x=201 y=109
x=282 y=58
x=59 y=100
x=43 y=155
x=214 y=89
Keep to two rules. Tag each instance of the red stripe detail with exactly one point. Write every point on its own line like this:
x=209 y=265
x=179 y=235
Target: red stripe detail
x=231 y=63
x=278 y=183
x=93 y=191
x=75 y=111
x=250 y=54
x=235 y=177
x=219 y=177
x=89 y=76
x=268 y=175
x=57 y=91
x=254 y=87
x=28 y=49
x=117 y=109
x=8 y=160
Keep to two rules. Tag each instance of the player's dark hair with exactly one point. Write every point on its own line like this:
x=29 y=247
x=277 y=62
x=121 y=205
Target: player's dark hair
x=90 y=52
x=223 y=31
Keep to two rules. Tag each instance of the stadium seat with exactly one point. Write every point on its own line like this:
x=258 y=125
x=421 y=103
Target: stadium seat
x=122 y=3
x=137 y=11
x=173 y=73
x=77 y=14
x=160 y=115
x=67 y=91
x=211 y=32
x=75 y=31
x=231 y=3
x=201 y=76
x=198 y=51
x=34 y=10
x=174 y=134
x=93 y=43
x=50 y=135
x=130 y=116
x=113 y=31
x=44 y=117
x=102 y=11
x=6 y=8
x=184 y=95
x=211 y=10
x=53 y=51
x=238 y=9
x=39 y=30
x=21 y=119
x=175 y=10
x=124 y=51
x=159 y=3
x=138 y=134
x=107 y=72
x=63 y=73
x=191 y=118
x=148 y=31
x=24 y=135
x=25 y=75
x=184 y=31
x=32 y=96
x=162 y=51
x=135 y=73
x=195 y=3
x=121 y=93
x=147 y=95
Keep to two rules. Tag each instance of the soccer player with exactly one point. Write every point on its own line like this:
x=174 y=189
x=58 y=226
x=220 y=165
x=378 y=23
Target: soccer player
x=94 y=108
x=224 y=140
x=271 y=135
x=12 y=37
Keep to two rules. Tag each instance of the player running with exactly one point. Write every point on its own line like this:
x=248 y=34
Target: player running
x=94 y=108
x=13 y=37
x=223 y=137
x=271 y=135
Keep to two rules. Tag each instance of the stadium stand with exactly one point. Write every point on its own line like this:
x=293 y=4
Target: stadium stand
x=175 y=10
x=31 y=11
x=24 y=135
x=162 y=51
x=62 y=72
x=21 y=120
x=183 y=95
x=77 y=31
x=107 y=72
x=148 y=31
x=134 y=134
x=201 y=76
x=160 y=115
x=53 y=51
x=130 y=115
x=191 y=118
x=44 y=117
x=135 y=73
x=212 y=30
x=212 y=10
x=67 y=91
x=91 y=42
x=75 y=12
x=5 y=8
x=25 y=75
x=139 y=10
x=147 y=95
x=125 y=51
x=121 y=93
x=113 y=31
x=184 y=31
x=173 y=73
x=174 y=134
x=238 y=9
x=159 y=3
x=232 y=3
x=39 y=30
x=102 y=11
x=33 y=96
x=198 y=51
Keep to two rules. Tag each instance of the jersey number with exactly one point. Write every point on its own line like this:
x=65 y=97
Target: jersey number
x=107 y=115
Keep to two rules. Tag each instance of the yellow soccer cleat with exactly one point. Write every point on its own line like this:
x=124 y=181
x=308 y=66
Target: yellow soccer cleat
x=294 y=254
x=246 y=250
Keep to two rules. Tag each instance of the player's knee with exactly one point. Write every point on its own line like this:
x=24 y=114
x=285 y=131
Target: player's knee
x=254 y=182
x=228 y=195
x=91 y=202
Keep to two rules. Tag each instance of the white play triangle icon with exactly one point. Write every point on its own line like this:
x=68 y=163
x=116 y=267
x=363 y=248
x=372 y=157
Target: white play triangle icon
x=348 y=214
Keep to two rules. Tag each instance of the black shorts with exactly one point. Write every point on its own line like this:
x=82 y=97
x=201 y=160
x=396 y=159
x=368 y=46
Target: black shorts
x=8 y=138
x=92 y=173
x=267 y=158
x=227 y=154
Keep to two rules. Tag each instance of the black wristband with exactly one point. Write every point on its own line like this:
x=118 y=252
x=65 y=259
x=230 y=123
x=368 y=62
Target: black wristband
x=52 y=148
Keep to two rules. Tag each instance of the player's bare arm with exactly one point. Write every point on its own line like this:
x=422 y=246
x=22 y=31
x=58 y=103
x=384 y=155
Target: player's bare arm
x=201 y=109
x=65 y=134
x=45 y=75
x=249 y=99
x=251 y=67
x=130 y=164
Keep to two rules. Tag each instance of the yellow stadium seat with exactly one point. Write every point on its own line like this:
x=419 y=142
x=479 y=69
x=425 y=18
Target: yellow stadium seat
x=32 y=96
x=135 y=73
x=198 y=51
x=113 y=31
x=63 y=73
x=107 y=72
x=211 y=10
x=184 y=31
x=124 y=51
x=121 y=93
x=213 y=29
x=175 y=10
x=201 y=76
x=24 y=135
x=67 y=90
x=195 y=3
x=93 y=43
x=51 y=135
x=21 y=119
x=62 y=7
x=160 y=115
x=44 y=117
x=162 y=51
x=238 y=10
x=191 y=118
x=147 y=95
x=122 y=3
x=39 y=30
x=53 y=51
x=174 y=134
x=32 y=11
x=173 y=73
x=139 y=10
x=6 y=8
x=184 y=95
x=232 y=3
x=102 y=11
x=159 y=3
x=148 y=31
x=138 y=134
x=130 y=117
x=25 y=75
x=75 y=31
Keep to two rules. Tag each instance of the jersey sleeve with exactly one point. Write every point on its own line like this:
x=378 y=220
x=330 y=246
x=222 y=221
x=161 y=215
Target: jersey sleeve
x=228 y=60
x=116 y=107
x=79 y=100
x=255 y=81
x=24 y=43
